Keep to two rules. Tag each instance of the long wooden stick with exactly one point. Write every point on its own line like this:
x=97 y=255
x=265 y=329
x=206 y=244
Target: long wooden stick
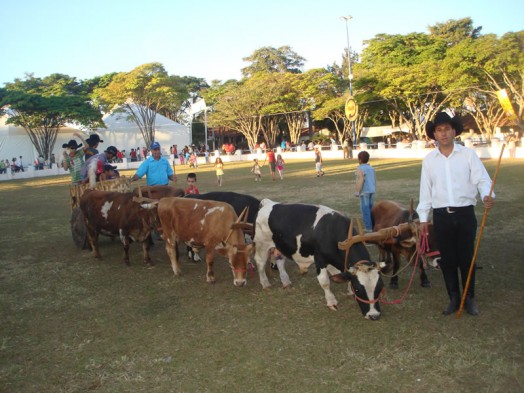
x=472 y=265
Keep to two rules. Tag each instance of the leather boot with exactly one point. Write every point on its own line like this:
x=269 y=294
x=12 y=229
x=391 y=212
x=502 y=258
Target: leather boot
x=471 y=306
x=454 y=304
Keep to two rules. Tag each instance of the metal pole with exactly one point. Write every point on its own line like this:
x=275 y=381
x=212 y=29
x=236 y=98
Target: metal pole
x=205 y=126
x=350 y=75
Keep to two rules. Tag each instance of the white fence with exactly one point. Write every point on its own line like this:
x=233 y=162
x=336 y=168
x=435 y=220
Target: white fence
x=417 y=151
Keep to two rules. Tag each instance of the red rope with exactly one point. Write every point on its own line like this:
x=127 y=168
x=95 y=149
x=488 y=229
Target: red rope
x=422 y=248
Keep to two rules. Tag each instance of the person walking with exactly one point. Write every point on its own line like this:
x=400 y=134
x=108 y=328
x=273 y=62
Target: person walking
x=318 y=162
x=219 y=167
x=280 y=166
x=256 y=170
x=366 y=188
x=156 y=168
x=272 y=162
x=452 y=176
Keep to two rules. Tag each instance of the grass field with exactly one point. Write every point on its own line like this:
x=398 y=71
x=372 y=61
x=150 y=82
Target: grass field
x=70 y=323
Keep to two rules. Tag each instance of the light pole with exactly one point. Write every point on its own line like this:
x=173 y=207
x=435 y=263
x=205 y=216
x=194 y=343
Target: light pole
x=350 y=75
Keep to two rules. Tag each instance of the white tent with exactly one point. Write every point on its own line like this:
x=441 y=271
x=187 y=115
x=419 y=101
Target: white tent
x=120 y=132
x=125 y=134
x=372 y=132
x=14 y=142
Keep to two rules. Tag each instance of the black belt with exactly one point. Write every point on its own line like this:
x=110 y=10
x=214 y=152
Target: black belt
x=452 y=209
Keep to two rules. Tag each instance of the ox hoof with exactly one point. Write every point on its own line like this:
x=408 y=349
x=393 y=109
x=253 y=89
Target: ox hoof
x=425 y=284
x=126 y=262
x=373 y=317
x=393 y=285
x=287 y=286
x=213 y=281
x=333 y=307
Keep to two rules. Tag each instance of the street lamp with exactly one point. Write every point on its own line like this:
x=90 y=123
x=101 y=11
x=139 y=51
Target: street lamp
x=350 y=75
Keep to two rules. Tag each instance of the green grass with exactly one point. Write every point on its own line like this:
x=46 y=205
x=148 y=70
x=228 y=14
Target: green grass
x=70 y=323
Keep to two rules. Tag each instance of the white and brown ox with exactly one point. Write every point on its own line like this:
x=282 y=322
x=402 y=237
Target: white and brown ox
x=310 y=234
x=118 y=214
x=209 y=224
x=387 y=214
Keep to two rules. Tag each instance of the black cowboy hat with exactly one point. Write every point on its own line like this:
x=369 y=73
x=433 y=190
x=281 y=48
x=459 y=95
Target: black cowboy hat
x=72 y=144
x=444 y=118
x=93 y=140
x=111 y=150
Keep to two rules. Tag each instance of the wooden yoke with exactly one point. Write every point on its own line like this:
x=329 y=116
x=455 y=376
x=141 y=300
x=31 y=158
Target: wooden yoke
x=382 y=234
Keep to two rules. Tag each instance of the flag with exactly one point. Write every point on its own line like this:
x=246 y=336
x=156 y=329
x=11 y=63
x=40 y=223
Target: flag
x=505 y=103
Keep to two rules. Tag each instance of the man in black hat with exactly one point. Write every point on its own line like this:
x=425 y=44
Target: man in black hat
x=92 y=142
x=73 y=160
x=452 y=175
x=94 y=166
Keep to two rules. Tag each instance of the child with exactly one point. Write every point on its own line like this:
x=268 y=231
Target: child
x=366 y=185
x=191 y=187
x=280 y=166
x=256 y=170
x=318 y=162
x=109 y=173
x=219 y=166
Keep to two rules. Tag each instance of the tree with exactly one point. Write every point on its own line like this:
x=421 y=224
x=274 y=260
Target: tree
x=269 y=59
x=453 y=31
x=140 y=94
x=241 y=106
x=405 y=70
x=43 y=106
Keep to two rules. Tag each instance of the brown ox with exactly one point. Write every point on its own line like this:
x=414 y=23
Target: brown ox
x=158 y=192
x=117 y=214
x=387 y=214
x=207 y=224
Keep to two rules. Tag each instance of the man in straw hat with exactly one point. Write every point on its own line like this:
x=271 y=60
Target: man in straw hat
x=452 y=175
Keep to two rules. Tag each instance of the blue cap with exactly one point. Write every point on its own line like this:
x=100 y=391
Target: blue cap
x=155 y=145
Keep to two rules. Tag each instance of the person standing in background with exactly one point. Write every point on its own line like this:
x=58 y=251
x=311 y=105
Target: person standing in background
x=366 y=188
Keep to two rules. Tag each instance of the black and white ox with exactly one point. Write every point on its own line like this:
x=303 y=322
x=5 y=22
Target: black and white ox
x=310 y=234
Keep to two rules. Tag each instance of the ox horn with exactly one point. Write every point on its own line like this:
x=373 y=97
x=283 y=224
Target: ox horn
x=239 y=223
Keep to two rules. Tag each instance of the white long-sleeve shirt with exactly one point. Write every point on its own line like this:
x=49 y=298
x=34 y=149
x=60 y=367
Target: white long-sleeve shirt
x=451 y=181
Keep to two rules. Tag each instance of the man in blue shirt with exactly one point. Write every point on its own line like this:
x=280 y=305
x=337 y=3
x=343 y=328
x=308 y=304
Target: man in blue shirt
x=157 y=168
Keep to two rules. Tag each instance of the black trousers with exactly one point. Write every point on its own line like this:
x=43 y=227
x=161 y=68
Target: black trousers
x=455 y=231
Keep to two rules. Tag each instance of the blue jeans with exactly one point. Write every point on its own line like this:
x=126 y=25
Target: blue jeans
x=366 y=203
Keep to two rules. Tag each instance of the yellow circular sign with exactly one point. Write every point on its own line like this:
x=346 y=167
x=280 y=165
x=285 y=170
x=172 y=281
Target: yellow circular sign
x=351 y=109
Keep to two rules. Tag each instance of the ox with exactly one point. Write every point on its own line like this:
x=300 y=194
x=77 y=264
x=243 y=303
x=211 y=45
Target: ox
x=387 y=214
x=238 y=201
x=207 y=224
x=310 y=234
x=118 y=214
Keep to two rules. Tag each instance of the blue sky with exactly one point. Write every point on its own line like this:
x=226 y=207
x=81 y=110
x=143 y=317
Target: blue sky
x=209 y=38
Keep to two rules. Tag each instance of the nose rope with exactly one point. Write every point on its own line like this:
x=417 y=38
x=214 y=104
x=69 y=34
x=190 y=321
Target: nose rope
x=422 y=248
